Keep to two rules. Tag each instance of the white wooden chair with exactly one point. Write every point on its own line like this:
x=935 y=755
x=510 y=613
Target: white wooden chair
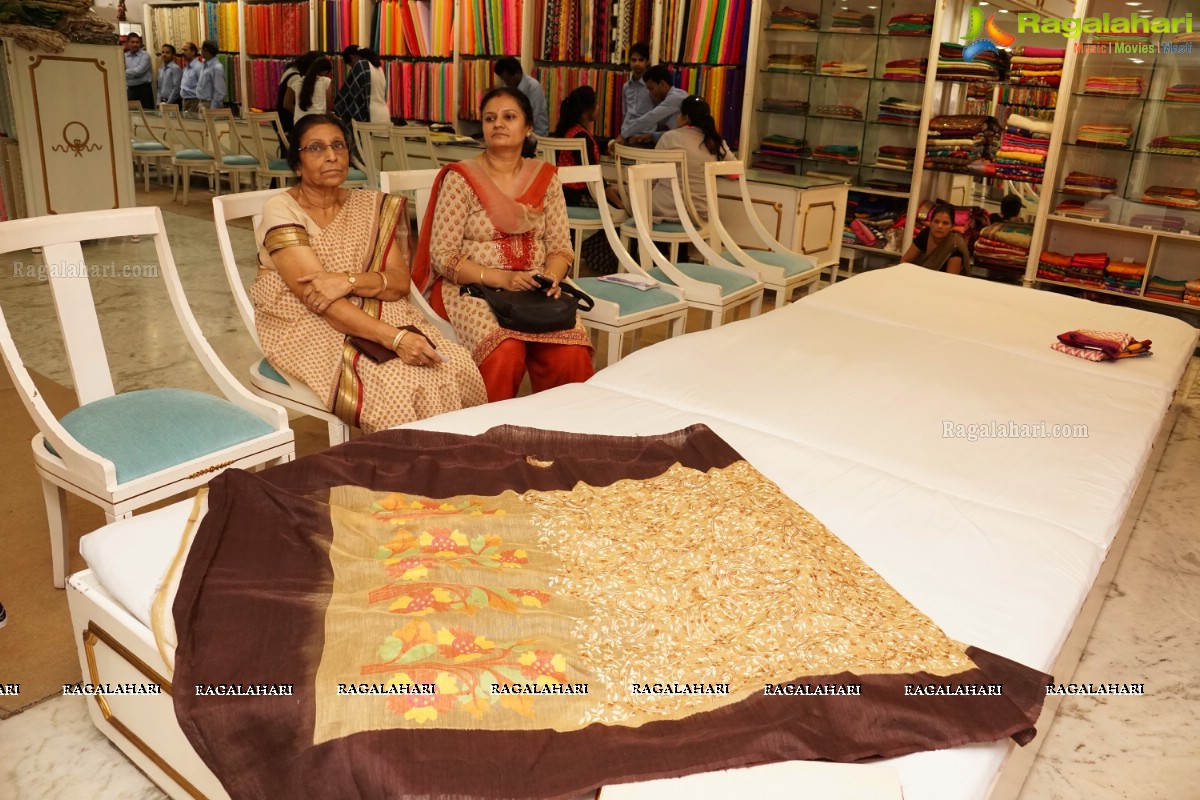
x=228 y=148
x=266 y=381
x=148 y=147
x=670 y=232
x=418 y=185
x=188 y=155
x=583 y=221
x=270 y=146
x=715 y=286
x=781 y=270
x=125 y=451
x=373 y=142
x=414 y=148
x=623 y=309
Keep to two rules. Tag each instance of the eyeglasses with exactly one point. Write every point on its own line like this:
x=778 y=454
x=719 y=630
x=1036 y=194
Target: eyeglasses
x=318 y=149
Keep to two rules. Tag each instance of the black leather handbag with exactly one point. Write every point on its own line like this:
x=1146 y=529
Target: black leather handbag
x=532 y=311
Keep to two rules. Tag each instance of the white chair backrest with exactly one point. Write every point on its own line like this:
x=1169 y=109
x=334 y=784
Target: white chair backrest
x=551 y=146
x=138 y=122
x=641 y=179
x=178 y=137
x=60 y=237
x=270 y=142
x=372 y=139
x=223 y=133
x=625 y=156
x=420 y=183
x=737 y=170
x=414 y=147
x=591 y=175
x=246 y=205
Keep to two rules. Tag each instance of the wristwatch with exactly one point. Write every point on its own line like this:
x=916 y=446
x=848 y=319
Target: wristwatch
x=353 y=280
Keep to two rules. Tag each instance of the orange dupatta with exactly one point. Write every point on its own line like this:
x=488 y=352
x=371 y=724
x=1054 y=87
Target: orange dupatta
x=509 y=215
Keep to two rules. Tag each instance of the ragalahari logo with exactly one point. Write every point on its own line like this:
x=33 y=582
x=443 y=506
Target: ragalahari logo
x=984 y=37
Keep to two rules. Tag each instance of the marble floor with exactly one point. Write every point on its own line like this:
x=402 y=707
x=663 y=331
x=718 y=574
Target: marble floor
x=1148 y=630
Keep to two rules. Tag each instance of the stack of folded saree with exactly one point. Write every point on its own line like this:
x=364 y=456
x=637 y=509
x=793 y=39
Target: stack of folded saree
x=1184 y=93
x=898 y=111
x=846 y=20
x=1097 y=212
x=1191 y=293
x=791 y=62
x=987 y=66
x=870 y=218
x=1124 y=277
x=784 y=105
x=1087 y=269
x=906 y=69
x=845 y=68
x=837 y=112
x=774 y=166
x=1176 y=145
x=791 y=19
x=778 y=145
x=897 y=157
x=1023 y=149
x=1184 y=38
x=1039 y=66
x=910 y=25
x=957 y=142
x=1173 y=196
x=1053 y=266
x=887 y=186
x=1123 y=37
x=1163 y=289
x=1159 y=222
x=843 y=153
x=1116 y=137
x=1101 y=345
x=1114 y=86
x=1004 y=246
x=1089 y=185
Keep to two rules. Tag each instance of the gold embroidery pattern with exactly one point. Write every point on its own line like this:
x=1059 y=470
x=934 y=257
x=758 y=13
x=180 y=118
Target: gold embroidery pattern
x=719 y=577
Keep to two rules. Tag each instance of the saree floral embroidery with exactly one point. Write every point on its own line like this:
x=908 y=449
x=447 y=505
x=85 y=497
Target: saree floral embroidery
x=565 y=608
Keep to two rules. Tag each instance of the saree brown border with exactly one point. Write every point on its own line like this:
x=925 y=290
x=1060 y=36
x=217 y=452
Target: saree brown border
x=251 y=605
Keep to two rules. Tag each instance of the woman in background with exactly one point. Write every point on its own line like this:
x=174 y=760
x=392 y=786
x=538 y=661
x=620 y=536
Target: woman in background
x=311 y=93
x=696 y=135
x=379 y=88
x=576 y=115
x=938 y=246
x=297 y=67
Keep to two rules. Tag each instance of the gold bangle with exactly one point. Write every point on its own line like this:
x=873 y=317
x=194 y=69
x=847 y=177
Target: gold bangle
x=399 y=336
x=383 y=288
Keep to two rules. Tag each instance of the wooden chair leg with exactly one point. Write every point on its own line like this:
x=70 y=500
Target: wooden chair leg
x=186 y=178
x=615 y=340
x=56 y=514
x=756 y=304
x=339 y=433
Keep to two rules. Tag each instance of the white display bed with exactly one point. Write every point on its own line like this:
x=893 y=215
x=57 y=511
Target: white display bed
x=842 y=400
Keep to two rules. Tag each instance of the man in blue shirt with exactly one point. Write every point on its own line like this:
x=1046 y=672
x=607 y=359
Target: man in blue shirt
x=211 y=90
x=138 y=72
x=170 y=76
x=648 y=127
x=635 y=98
x=191 y=78
x=509 y=71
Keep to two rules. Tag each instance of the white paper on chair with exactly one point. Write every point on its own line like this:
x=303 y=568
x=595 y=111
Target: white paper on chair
x=770 y=781
x=639 y=282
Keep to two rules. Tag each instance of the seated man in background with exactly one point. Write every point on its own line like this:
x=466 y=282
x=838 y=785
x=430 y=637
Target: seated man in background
x=509 y=71
x=648 y=127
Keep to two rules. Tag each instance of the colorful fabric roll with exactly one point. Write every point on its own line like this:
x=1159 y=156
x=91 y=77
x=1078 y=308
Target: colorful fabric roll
x=777 y=145
x=1173 y=196
x=1114 y=86
x=906 y=69
x=848 y=21
x=1082 y=183
x=897 y=111
x=1184 y=93
x=1116 y=137
x=1176 y=145
x=791 y=19
x=910 y=25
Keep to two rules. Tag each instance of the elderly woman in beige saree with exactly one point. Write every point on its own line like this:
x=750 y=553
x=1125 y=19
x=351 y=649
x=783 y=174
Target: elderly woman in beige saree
x=332 y=269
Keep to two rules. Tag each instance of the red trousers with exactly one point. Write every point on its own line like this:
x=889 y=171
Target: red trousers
x=549 y=365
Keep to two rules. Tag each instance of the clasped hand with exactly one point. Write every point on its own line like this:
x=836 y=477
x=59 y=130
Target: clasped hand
x=321 y=289
x=523 y=281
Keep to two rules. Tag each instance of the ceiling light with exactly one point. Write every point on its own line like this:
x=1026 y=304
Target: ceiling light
x=1133 y=3
x=1137 y=61
x=983 y=4
x=1002 y=10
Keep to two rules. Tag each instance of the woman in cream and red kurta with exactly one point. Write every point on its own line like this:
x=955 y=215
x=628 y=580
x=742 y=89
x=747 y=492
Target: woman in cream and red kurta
x=332 y=265
x=497 y=220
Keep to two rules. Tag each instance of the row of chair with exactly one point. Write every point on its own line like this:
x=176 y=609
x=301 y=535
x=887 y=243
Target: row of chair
x=125 y=451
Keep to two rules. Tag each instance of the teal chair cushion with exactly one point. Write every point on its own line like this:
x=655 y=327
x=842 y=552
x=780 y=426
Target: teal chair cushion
x=792 y=265
x=629 y=299
x=657 y=227
x=270 y=373
x=584 y=213
x=278 y=166
x=192 y=154
x=240 y=160
x=727 y=279
x=150 y=147
x=147 y=431
x=356 y=175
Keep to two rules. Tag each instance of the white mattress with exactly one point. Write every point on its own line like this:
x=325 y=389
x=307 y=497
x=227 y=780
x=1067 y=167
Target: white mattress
x=841 y=399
